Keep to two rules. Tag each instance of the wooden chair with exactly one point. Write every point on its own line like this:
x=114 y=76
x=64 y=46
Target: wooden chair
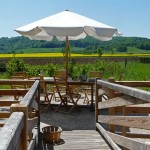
x=59 y=74
x=69 y=96
x=46 y=93
x=87 y=90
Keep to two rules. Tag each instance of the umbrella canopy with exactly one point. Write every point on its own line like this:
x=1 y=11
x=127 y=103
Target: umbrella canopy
x=67 y=25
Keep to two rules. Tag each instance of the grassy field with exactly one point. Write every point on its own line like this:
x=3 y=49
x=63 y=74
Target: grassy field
x=44 y=50
x=136 y=50
x=74 y=50
x=45 y=55
x=137 y=71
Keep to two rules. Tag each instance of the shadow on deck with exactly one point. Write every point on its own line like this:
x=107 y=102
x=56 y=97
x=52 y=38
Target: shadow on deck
x=78 y=130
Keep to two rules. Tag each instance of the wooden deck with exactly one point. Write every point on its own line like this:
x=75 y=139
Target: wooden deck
x=77 y=140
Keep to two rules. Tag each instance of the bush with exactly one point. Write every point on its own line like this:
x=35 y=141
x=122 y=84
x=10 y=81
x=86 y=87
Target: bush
x=15 y=65
x=2 y=67
x=50 y=69
x=121 y=48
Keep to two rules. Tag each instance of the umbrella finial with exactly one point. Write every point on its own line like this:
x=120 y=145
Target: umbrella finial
x=67 y=9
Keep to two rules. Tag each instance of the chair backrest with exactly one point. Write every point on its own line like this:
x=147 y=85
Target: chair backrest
x=63 y=88
x=60 y=84
x=61 y=74
x=95 y=74
x=19 y=75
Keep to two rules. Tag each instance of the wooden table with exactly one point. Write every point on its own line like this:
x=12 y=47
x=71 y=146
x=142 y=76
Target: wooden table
x=50 y=80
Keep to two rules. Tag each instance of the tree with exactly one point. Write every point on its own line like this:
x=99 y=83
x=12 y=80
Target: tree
x=121 y=48
x=100 y=51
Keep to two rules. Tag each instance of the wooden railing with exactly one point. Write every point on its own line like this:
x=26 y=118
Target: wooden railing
x=21 y=124
x=126 y=110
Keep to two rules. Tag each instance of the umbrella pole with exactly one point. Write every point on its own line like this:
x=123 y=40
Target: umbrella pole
x=66 y=58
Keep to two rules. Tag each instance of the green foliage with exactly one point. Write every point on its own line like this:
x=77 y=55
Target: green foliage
x=118 y=70
x=4 y=75
x=145 y=59
x=88 y=45
x=137 y=71
x=2 y=67
x=99 y=51
x=33 y=70
x=121 y=48
x=15 y=65
x=110 y=68
x=76 y=71
x=39 y=50
x=50 y=69
x=144 y=45
x=136 y=50
x=45 y=70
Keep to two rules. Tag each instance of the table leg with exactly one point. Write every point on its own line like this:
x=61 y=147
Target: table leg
x=92 y=99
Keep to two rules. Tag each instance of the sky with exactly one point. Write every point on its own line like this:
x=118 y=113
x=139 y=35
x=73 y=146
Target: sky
x=131 y=17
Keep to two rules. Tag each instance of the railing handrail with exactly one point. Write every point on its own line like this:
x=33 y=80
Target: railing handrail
x=11 y=131
x=126 y=90
x=30 y=100
x=122 y=102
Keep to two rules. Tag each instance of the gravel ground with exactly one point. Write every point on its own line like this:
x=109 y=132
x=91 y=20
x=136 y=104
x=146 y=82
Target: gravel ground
x=82 y=118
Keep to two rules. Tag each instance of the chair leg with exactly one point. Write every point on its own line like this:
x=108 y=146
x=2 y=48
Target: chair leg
x=64 y=102
x=47 y=99
x=16 y=97
x=57 y=109
x=86 y=98
x=74 y=104
x=56 y=97
x=59 y=106
x=71 y=109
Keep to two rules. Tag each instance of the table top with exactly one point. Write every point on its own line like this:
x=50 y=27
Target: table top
x=50 y=80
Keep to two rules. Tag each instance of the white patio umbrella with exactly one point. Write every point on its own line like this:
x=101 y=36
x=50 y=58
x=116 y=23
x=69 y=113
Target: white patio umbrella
x=67 y=25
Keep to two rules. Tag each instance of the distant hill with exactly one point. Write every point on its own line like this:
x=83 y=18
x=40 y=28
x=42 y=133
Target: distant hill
x=122 y=44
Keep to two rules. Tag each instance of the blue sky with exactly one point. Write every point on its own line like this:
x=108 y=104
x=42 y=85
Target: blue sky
x=131 y=17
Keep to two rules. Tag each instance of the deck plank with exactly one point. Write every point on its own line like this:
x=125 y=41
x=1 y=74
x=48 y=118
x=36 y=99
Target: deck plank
x=77 y=139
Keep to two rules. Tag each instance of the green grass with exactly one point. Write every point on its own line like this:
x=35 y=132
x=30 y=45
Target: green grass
x=73 y=50
x=45 y=50
x=4 y=76
x=39 y=50
x=130 y=50
x=136 y=50
x=137 y=71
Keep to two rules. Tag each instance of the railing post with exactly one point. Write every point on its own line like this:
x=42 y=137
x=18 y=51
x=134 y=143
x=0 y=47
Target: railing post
x=124 y=128
x=38 y=125
x=24 y=109
x=96 y=102
x=97 y=99
x=111 y=110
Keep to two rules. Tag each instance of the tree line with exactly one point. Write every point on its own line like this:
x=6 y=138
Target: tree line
x=89 y=44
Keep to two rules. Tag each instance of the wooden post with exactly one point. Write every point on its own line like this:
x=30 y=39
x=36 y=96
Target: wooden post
x=124 y=128
x=38 y=100
x=67 y=58
x=97 y=97
x=24 y=136
x=111 y=110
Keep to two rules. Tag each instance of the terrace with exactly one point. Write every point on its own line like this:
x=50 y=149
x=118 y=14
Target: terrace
x=110 y=126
